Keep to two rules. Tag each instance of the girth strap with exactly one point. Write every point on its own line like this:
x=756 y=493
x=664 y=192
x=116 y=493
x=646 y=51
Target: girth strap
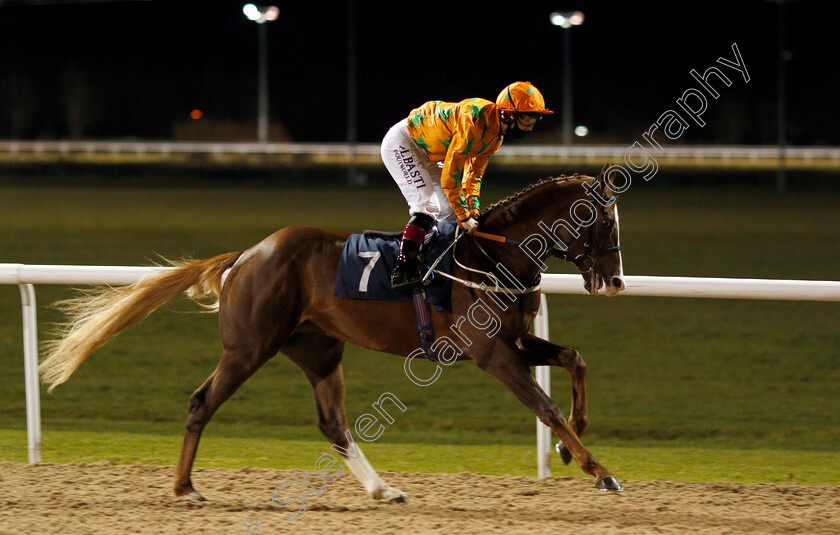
x=423 y=311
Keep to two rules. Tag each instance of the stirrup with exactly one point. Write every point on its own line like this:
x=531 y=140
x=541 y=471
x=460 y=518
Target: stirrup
x=406 y=275
x=405 y=281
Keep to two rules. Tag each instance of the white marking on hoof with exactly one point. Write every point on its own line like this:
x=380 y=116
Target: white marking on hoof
x=392 y=495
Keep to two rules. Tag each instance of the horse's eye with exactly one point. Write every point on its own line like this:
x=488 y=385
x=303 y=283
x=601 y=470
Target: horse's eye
x=607 y=223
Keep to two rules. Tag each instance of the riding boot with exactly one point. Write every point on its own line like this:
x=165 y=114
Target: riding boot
x=406 y=274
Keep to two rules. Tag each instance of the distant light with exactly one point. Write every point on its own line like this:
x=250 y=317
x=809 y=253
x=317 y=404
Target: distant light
x=566 y=19
x=196 y=114
x=271 y=13
x=581 y=131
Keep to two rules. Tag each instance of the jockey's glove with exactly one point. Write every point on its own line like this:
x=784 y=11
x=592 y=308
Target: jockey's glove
x=469 y=224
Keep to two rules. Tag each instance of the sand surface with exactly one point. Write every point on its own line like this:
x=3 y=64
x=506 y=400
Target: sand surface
x=116 y=499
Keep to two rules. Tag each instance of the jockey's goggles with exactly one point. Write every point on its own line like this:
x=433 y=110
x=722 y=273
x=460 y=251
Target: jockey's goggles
x=528 y=118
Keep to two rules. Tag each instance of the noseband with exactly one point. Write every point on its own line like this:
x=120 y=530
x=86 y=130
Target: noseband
x=584 y=262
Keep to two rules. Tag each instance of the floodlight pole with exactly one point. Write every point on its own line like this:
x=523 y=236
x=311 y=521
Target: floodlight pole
x=352 y=178
x=261 y=15
x=781 y=178
x=567 y=87
x=262 y=82
x=566 y=20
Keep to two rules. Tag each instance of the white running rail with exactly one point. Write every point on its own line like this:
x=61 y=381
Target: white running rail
x=27 y=275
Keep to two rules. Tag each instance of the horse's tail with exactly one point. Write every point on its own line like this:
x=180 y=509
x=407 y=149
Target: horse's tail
x=102 y=313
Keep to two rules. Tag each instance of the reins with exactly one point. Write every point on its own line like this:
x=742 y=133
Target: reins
x=584 y=262
x=496 y=288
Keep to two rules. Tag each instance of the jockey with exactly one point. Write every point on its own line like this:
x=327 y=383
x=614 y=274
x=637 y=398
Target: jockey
x=438 y=156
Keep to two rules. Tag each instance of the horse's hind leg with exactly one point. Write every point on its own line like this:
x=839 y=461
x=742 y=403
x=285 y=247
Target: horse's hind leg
x=319 y=356
x=234 y=368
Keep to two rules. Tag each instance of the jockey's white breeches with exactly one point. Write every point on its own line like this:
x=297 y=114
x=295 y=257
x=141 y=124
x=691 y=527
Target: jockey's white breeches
x=416 y=175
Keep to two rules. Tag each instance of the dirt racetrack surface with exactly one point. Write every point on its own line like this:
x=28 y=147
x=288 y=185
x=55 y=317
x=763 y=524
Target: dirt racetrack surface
x=116 y=499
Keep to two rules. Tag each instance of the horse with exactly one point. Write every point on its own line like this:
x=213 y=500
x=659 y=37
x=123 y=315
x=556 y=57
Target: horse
x=277 y=297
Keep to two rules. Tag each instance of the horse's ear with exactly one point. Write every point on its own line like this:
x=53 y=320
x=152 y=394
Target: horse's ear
x=602 y=182
x=603 y=170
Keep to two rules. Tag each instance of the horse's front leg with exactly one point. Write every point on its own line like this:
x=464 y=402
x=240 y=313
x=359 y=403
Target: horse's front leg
x=509 y=365
x=539 y=352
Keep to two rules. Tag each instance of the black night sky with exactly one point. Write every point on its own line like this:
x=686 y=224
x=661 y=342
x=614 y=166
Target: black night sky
x=131 y=70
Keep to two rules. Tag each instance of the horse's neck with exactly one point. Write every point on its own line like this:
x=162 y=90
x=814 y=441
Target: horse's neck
x=536 y=213
x=536 y=210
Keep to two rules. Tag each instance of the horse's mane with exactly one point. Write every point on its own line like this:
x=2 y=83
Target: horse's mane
x=527 y=191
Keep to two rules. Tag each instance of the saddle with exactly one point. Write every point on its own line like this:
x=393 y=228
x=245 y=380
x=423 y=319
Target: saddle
x=367 y=260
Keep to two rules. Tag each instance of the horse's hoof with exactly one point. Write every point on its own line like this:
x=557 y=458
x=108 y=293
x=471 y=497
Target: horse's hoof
x=563 y=452
x=193 y=496
x=392 y=495
x=609 y=483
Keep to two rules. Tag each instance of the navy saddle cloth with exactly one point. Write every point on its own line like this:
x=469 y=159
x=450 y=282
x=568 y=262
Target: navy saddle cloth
x=367 y=261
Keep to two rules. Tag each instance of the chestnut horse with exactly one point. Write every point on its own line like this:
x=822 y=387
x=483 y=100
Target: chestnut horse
x=278 y=296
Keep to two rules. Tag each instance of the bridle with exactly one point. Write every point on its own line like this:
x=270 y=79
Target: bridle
x=584 y=262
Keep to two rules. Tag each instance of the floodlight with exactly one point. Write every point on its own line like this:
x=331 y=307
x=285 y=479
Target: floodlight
x=251 y=11
x=566 y=19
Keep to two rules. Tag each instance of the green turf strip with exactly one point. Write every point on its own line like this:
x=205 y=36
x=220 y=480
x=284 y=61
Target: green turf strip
x=627 y=462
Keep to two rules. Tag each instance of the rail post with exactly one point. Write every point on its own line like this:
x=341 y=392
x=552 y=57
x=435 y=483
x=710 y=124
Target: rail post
x=30 y=371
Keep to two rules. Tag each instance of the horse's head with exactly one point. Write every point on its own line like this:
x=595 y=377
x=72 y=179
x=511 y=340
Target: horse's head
x=596 y=252
x=586 y=233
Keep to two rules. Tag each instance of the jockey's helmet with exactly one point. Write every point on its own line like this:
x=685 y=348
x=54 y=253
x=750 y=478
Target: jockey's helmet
x=522 y=97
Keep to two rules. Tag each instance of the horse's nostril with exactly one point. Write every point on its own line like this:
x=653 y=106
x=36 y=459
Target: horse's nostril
x=617 y=282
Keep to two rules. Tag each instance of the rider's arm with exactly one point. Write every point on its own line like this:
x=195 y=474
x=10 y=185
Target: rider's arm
x=474 y=140
x=453 y=175
x=472 y=184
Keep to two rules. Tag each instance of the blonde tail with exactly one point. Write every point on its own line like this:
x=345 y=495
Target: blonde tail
x=101 y=314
